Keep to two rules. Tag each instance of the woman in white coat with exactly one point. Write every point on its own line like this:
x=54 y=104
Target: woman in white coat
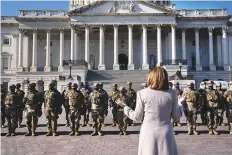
x=158 y=103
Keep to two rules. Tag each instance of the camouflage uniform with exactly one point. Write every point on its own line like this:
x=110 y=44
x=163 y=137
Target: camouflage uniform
x=3 y=115
x=86 y=107
x=11 y=110
x=75 y=101
x=20 y=105
x=52 y=106
x=228 y=97
x=97 y=109
x=212 y=106
x=32 y=100
x=106 y=97
x=179 y=93
x=191 y=104
x=122 y=119
x=65 y=102
x=131 y=96
x=112 y=104
x=222 y=104
x=202 y=103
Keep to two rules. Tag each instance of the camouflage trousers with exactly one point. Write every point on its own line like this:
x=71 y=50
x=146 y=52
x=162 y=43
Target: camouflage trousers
x=31 y=119
x=97 y=116
x=220 y=116
x=114 y=113
x=52 y=116
x=74 y=119
x=191 y=117
x=3 y=116
x=66 y=108
x=203 y=116
x=122 y=120
x=11 y=118
x=85 y=113
x=212 y=115
x=20 y=115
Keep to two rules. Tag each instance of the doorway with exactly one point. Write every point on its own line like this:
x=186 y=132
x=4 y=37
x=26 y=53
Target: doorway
x=123 y=61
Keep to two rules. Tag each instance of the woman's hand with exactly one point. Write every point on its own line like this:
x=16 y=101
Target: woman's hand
x=120 y=103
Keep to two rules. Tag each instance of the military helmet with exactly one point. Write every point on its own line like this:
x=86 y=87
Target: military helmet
x=114 y=85
x=69 y=84
x=218 y=84
x=129 y=83
x=230 y=82
x=190 y=84
x=12 y=86
x=75 y=85
x=210 y=83
x=122 y=89
x=33 y=85
x=18 y=85
x=100 y=84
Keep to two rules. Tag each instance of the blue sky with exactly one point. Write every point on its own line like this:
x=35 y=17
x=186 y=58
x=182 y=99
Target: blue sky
x=10 y=8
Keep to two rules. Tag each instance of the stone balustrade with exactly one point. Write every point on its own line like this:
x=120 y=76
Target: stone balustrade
x=41 y=13
x=202 y=12
x=7 y=18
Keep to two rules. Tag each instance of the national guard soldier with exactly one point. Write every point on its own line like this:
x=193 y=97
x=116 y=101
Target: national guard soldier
x=66 y=102
x=190 y=107
x=228 y=97
x=11 y=110
x=20 y=105
x=32 y=101
x=86 y=109
x=122 y=119
x=52 y=107
x=202 y=103
x=212 y=107
x=75 y=101
x=97 y=109
x=131 y=96
x=179 y=92
x=222 y=104
x=106 y=97
x=3 y=115
x=112 y=104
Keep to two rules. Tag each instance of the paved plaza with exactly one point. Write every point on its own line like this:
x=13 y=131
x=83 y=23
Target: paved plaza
x=110 y=143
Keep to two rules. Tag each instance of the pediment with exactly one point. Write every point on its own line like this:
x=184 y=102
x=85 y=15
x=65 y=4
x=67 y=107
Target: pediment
x=120 y=7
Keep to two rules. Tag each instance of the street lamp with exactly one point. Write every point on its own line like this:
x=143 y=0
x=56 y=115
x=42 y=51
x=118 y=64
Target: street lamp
x=180 y=66
x=70 y=70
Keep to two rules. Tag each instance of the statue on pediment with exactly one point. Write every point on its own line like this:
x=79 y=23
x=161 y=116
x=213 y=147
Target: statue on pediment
x=123 y=7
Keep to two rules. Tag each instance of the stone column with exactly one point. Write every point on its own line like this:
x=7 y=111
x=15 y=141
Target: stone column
x=78 y=54
x=219 y=50
x=130 y=48
x=173 y=43
x=225 y=49
x=14 y=48
x=183 y=45
x=26 y=51
x=197 y=48
x=159 y=46
x=72 y=43
x=87 y=45
x=101 y=65
x=211 y=56
x=47 y=68
x=116 y=65
x=20 y=55
x=145 y=65
x=60 y=68
x=34 y=52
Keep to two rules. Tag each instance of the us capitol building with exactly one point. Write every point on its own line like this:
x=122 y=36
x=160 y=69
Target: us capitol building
x=106 y=37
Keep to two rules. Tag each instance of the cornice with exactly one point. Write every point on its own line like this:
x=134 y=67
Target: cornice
x=125 y=14
x=57 y=19
x=204 y=18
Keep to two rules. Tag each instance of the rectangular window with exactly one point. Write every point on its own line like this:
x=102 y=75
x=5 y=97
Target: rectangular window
x=5 y=63
x=6 y=41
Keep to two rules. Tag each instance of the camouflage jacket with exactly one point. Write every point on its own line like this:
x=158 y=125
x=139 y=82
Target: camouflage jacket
x=75 y=99
x=20 y=94
x=86 y=93
x=114 y=96
x=228 y=97
x=97 y=100
x=11 y=100
x=131 y=97
x=222 y=100
x=53 y=100
x=212 y=97
x=191 y=98
x=32 y=99
x=125 y=100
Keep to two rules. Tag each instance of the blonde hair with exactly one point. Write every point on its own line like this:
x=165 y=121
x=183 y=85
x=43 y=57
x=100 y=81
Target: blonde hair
x=158 y=79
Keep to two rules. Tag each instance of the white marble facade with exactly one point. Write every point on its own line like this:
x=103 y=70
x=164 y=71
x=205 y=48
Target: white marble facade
x=99 y=31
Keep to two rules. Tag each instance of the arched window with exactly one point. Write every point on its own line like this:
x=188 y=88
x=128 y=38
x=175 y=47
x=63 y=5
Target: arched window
x=6 y=60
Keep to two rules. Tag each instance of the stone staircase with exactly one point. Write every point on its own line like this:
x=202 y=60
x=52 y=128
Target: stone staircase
x=121 y=77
